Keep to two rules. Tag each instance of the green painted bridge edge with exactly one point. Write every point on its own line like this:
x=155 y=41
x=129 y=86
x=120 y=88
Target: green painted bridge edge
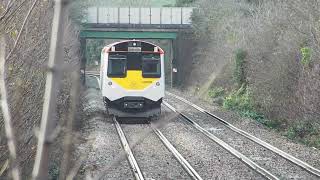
x=127 y=35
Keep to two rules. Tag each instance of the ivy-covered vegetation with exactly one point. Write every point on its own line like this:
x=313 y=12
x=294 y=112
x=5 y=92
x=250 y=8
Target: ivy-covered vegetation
x=305 y=56
x=239 y=72
x=216 y=92
x=305 y=132
x=93 y=51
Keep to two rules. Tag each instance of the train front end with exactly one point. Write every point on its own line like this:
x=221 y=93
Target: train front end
x=132 y=78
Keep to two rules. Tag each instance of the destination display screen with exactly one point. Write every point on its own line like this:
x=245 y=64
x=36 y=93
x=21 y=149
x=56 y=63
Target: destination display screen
x=134 y=49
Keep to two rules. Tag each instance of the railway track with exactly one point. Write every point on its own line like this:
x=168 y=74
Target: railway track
x=265 y=173
x=133 y=162
x=305 y=166
x=182 y=161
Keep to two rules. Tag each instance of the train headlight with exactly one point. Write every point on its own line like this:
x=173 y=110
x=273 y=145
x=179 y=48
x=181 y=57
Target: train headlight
x=158 y=84
x=110 y=83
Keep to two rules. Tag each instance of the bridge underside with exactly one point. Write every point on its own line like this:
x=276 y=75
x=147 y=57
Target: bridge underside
x=92 y=34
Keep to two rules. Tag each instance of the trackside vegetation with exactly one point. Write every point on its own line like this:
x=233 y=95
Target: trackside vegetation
x=262 y=60
x=241 y=101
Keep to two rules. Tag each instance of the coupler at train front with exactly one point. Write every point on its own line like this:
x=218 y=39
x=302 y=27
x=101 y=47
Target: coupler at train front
x=133 y=107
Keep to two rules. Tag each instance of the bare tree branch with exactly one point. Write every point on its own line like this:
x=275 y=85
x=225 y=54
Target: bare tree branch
x=22 y=28
x=6 y=114
x=40 y=169
x=8 y=7
x=73 y=171
x=12 y=13
x=65 y=163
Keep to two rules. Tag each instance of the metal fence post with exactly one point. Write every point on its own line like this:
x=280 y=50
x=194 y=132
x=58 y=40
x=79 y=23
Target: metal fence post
x=181 y=15
x=171 y=15
x=97 y=15
x=150 y=14
x=161 y=16
x=140 y=15
x=129 y=14
x=108 y=15
x=118 y=16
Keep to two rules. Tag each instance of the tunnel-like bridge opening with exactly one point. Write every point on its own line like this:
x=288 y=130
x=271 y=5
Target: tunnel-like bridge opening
x=161 y=26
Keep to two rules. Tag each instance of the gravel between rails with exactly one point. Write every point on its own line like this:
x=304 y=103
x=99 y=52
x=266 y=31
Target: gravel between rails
x=207 y=158
x=262 y=156
x=106 y=157
x=154 y=160
x=101 y=150
x=308 y=154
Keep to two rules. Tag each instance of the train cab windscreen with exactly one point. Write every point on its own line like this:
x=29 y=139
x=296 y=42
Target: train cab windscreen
x=151 y=66
x=117 y=66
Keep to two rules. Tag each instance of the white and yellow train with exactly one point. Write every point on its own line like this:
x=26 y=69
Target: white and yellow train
x=132 y=78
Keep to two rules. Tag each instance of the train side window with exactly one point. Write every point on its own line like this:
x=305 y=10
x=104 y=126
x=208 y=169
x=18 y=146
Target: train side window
x=151 y=66
x=117 y=66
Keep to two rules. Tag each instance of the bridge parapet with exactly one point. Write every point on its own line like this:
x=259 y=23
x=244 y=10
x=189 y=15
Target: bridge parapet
x=164 y=17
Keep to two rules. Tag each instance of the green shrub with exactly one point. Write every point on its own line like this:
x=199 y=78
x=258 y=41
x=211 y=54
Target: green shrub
x=216 y=92
x=306 y=133
x=301 y=130
x=254 y=115
x=93 y=50
x=238 y=100
x=314 y=142
x=239 y=73
x=306 y=56
x=53 y=171
x=273 y=123
x=241 y=102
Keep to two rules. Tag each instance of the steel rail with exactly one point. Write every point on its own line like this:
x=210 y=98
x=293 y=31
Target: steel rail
x=185 y=164
x=133 y=163
x=265 y=173
x=262 y=143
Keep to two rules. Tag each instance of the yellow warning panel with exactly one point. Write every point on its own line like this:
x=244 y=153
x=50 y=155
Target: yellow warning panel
x=134 y=81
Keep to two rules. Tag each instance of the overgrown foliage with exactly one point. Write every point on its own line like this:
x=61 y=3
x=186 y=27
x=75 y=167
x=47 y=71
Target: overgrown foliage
x=93 y=51
x=241 y=101
x=216 y=92
x=239 y=72
x=281 y=65
x=305 y=132
x=306 y=56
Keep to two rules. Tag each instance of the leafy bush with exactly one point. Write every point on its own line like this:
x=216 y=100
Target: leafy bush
x=238 y=100
x=306 y=56
x=54 y=171
x=93 y=50
x=216 y=92
x=253 y=115
x=305 y=132
x=241 y=102
x=274 y=123
x=300 y=130
x=239 y=73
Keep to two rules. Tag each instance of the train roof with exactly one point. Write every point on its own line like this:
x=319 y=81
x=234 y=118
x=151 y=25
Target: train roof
x=107 y=48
